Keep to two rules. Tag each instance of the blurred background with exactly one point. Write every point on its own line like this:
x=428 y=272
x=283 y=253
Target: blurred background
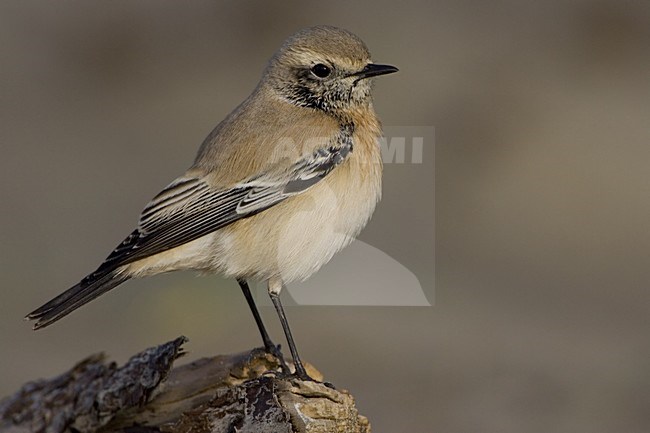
x=542 y=223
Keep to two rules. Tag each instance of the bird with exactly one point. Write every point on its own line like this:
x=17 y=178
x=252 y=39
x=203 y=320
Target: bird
x=285 y=181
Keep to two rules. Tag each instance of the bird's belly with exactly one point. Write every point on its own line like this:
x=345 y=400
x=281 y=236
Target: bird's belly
x=293 y=239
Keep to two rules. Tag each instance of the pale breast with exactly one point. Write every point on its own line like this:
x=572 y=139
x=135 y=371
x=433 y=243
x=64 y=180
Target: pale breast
x=293 y=239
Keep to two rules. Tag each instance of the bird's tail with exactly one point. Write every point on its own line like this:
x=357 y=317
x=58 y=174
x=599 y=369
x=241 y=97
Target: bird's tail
x=89 y=288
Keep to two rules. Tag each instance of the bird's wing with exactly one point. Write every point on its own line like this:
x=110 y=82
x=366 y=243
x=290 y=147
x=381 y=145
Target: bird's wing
x=190 y=208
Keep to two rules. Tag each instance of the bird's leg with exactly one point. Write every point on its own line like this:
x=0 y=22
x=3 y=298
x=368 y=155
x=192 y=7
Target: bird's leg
x=268 y=344
x=275 y=287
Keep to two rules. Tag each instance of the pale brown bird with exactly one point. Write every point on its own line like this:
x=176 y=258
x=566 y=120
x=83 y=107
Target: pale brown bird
x=289 y=178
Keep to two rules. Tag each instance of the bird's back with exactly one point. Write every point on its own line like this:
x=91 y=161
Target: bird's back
x=262 y=133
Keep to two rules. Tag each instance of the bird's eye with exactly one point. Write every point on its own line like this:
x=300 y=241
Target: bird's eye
x=320 y=70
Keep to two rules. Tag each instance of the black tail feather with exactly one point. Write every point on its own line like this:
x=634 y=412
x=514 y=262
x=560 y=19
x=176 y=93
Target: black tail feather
x=88 y=289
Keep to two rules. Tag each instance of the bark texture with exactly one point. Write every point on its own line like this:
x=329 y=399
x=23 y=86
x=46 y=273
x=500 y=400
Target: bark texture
x=227 y=393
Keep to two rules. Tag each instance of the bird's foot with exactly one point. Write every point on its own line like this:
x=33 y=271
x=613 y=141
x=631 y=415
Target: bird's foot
x=301 y=374
x=276 y=352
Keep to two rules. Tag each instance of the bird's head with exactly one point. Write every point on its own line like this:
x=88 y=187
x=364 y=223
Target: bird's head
x=324 y=68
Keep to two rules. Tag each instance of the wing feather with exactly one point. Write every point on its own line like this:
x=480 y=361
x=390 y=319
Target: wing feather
x=189 y=208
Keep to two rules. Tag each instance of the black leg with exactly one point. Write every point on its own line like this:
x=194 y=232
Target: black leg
x=268 y=344
x=300 y=369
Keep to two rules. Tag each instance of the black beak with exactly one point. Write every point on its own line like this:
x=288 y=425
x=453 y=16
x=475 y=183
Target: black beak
x=373 y=69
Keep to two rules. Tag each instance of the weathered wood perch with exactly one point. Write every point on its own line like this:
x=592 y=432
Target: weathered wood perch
x=226 y=393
